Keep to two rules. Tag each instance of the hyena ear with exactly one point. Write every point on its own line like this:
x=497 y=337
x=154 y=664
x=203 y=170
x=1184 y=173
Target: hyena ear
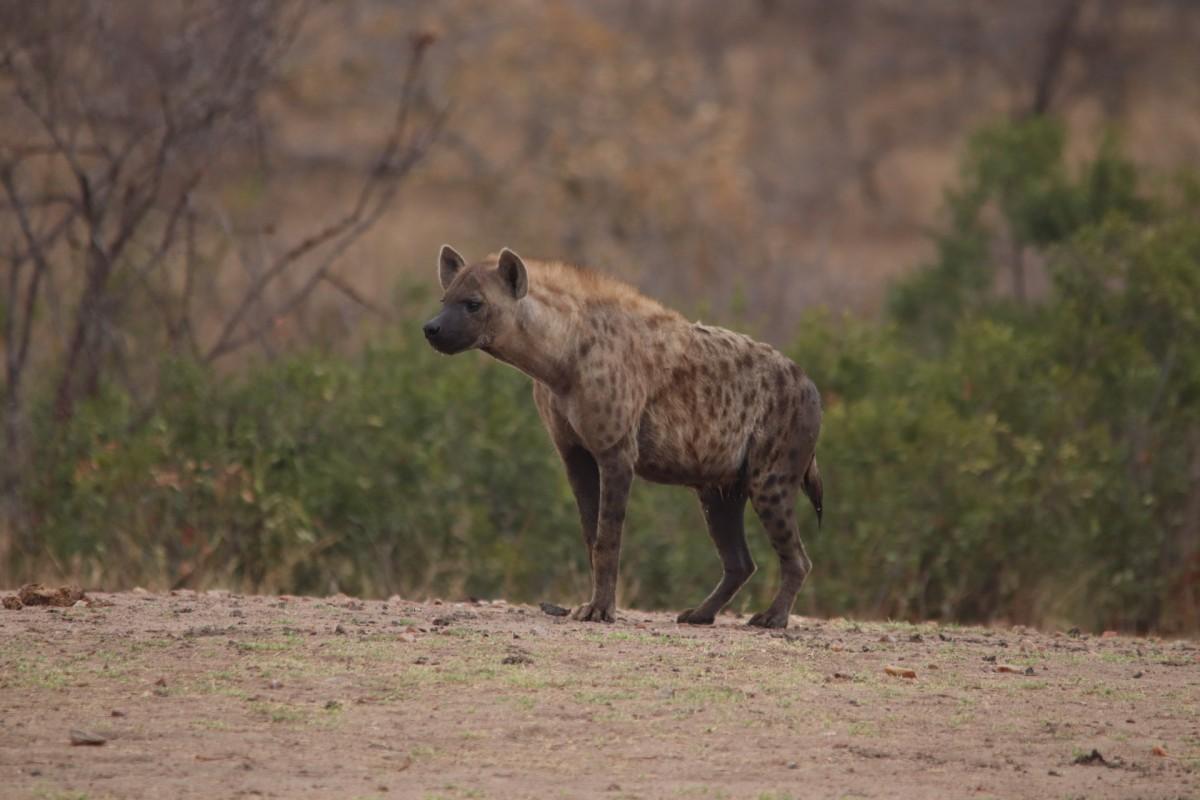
x=449 y=263
x=512 y=270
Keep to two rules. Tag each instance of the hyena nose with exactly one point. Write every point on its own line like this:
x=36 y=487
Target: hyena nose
x=431 y=330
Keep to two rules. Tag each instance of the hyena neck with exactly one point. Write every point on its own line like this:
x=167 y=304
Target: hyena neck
x=539 y=345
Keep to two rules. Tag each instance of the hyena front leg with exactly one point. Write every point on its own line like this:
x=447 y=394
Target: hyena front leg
x=616 y=476
x=723 y=511
x=584 y=477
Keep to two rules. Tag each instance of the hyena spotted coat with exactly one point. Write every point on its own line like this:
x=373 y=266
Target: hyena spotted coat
x=627 y=387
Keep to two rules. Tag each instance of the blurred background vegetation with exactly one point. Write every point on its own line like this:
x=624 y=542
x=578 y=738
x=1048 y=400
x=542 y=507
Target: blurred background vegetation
x=974 y=226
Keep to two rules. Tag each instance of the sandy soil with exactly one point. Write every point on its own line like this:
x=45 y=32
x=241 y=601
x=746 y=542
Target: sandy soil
x=213 y=695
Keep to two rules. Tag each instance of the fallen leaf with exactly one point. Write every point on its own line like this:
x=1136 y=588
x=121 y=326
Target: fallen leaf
x=1159 y=751
x=900 y=672
x=1109 y=634
x=1010 y=668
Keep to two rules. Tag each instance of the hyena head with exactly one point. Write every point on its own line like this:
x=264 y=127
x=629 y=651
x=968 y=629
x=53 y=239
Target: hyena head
x=479 y=303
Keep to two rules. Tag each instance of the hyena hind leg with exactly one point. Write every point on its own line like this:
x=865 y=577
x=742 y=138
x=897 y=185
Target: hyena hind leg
x=776 y=507
x=724 y=514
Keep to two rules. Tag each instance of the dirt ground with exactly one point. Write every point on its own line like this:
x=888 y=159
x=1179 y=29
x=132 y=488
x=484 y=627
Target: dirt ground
x=216 y=695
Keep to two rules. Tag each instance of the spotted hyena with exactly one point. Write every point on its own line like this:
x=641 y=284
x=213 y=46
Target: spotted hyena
x=627 y=387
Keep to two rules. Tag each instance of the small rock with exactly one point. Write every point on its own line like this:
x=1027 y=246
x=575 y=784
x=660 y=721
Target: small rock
x=339 y=630
x=887 y=638
x=332 y=705
x=1092 y=759
x=900 y=672
x=1055 y=773
x=13 y=603
x=793 y=765
x=275 y=683
x=553 y=610
x=86 y=738
x=116 y=712
x=161 y=682
x=916 y=637
x=1076 y=633
x=1138 y=674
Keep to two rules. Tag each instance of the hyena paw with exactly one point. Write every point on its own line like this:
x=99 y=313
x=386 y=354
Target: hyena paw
x=594 y=612
x=769 y=619
x=692 y=617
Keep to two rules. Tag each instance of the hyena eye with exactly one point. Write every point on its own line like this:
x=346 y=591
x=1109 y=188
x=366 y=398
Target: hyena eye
x=472 y=305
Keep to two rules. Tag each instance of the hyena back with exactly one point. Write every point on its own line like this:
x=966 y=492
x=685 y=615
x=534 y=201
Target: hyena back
x=627 y=387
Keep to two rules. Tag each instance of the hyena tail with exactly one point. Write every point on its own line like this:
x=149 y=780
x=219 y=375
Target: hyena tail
x=812 y=486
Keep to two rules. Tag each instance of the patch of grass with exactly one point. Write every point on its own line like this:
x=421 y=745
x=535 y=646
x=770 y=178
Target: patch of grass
x=211 y=725
x=59 y=794
x=523 y=703
x=863 y=729
x=1113 y=693
x=35 y=673
x=269 y=646
x=533 y=679
x=279 y=712
x=602 y=696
